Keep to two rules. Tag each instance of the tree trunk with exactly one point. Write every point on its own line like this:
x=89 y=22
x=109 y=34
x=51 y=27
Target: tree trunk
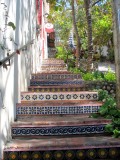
x=78 y=47
x=116 y=33
x=89 y=30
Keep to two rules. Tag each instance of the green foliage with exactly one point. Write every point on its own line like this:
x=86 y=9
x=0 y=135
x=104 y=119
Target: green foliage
x=61 y=18
x=102 y=94
x=11 y=24
x=66 y=55
x=109 y=76
x=88 y=76
x=96 y=75
x=109 y=110
x=114 y=127
x=102 y=23
x=75 y=70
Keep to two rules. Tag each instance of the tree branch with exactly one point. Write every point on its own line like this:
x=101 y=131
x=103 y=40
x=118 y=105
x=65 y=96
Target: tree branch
x=95 y=3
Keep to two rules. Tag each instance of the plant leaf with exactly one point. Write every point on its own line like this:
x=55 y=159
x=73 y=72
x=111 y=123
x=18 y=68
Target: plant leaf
x=11 y=24
x=116 y=133
x=109 y=128
x=2 y=47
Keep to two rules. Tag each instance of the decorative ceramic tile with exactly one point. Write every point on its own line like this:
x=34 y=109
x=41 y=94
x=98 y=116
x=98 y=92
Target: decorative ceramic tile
x=69 y=154
x=56 y=76
x=46 y=83
x=53 y=61
x=46 y=110
x=55 y=89
x=53 y=68
x=57 y=130
x=59 y=96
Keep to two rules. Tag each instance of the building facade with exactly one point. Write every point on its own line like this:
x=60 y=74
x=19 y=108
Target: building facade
x=22 y=30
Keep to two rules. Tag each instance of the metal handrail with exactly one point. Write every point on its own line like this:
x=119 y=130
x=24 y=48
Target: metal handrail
x=3 y=61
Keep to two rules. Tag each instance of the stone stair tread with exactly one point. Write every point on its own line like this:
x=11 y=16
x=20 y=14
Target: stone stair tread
x=52 y=72
x=52 y=64
x=62 y=143
x=54 y=69
x=52 y=59
x=58 y=86
x=64 y=120
x=60 y=72
x=57 y=80
x=71 y=92
x=63 y=103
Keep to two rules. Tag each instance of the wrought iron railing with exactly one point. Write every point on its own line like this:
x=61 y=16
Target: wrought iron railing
x=7 y=59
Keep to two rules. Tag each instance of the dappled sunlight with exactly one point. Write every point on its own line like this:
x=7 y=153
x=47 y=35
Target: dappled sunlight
x=16 y=77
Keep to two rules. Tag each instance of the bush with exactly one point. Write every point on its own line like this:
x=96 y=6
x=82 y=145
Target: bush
x=109 y=110
x=66 y=55
x=97 y=75
x=109 y=76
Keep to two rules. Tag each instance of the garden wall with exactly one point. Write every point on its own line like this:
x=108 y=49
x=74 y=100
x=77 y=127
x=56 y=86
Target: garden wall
x=105 y=85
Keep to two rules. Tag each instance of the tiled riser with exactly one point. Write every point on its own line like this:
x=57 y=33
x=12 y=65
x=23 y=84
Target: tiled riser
x=53 y=89
x=58 y=96
x=57 y=131
x=46 y=83
x=69 y=154
x=53 y=65
x=53 y=61
x=54 y=68
x=56 y=76
x=54 y=110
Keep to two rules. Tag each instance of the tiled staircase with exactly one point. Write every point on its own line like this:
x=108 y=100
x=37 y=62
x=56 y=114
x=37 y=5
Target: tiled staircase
x=53 y=121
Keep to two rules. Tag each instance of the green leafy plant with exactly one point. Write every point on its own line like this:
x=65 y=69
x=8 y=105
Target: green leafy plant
x=88 y=76
x=109 y=110
x=96 y=75
x=114 y=127
x=109 y=76
x=66 y=55
x=11 y=24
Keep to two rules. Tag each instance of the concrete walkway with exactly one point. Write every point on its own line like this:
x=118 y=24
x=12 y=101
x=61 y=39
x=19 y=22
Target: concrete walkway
x=104 y=66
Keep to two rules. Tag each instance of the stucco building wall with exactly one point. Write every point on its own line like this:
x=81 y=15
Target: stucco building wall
x=16 y=77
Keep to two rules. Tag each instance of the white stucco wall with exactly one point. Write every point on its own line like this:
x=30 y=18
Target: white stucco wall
x=102 y=50
x=16 y=77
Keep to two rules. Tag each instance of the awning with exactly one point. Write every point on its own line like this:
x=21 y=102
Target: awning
x=49 y=27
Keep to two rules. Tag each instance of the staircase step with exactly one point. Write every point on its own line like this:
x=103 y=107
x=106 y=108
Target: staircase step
x=53 y=61
x=52 y=64
x=53 y=68
x=57 y=88
x=36 y=96
x=58 y=126
x=58 y=108
x=75 y=148
x=38 y=82
x=53 y=72
x=55 y=76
